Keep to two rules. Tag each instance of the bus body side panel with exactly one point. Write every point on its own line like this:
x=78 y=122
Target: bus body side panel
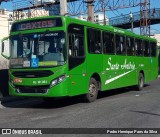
x=94 y=65
x=143 y=66
x=126 y=72
x=148 y=65
x=120 y=72
x=78 y=80
x=154 y=68
x=110 y=69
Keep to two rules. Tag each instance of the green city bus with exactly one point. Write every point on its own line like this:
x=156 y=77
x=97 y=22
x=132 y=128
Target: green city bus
x=59 y=56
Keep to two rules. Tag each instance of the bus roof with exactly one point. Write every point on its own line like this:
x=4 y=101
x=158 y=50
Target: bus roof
x=91 y=25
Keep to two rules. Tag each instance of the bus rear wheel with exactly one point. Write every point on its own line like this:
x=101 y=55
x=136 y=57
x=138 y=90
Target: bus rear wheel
x=92 y=91
x=140 y=82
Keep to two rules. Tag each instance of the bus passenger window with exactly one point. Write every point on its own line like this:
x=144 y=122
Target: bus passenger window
x=146 y=49
x=130 y=46
x=94 y=41
x=108 y=43
x=139 y=47
x=120 y=45
x=153 y=49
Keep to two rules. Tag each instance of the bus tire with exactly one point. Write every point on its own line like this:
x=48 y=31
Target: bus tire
x=92 y=94
x=140 y=82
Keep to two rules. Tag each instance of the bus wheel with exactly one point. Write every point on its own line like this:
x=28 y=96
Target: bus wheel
x=140 y=82
x=92 y=91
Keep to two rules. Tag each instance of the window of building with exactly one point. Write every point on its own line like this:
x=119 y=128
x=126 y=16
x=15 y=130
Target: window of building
x=94 y=41
x=130 y=46
x=120 y=45
x=108 y=43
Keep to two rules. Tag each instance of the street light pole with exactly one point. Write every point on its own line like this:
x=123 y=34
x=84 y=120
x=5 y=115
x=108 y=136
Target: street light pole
x=131 y=20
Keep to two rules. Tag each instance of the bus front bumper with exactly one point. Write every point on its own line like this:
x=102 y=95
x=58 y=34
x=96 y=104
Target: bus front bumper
x=59 y=90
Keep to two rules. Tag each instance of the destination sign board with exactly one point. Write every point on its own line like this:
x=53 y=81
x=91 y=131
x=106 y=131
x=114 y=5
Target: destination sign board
x=37 y=24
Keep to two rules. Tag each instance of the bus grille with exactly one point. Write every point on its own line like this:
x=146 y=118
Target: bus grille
x=32 y=74
x=28 y=89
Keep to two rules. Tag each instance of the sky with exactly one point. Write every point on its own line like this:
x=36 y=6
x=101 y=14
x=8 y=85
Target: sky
x=119 y=12
x=155 y=29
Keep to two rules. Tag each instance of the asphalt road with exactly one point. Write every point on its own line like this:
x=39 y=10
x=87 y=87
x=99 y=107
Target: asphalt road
x=120 y=108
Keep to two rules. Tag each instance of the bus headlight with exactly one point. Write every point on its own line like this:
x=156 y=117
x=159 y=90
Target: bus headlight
x=57 y=80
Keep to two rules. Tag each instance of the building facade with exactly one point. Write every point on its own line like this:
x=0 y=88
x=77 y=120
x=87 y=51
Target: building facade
x=5 y=26
x=5 y=23
x=157 y=37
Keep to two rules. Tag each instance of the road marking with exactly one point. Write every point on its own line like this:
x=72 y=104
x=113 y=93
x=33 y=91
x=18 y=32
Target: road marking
x=41 y=117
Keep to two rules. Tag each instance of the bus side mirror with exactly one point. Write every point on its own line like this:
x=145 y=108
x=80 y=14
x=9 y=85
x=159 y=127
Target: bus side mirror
x=2 y=47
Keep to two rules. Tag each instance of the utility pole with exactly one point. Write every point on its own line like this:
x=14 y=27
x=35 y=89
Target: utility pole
x=104 y=11
x=145 y=17
x=90 y=4
x=63 y=7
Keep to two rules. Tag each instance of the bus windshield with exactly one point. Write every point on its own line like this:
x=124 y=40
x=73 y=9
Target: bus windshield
x=38 y=50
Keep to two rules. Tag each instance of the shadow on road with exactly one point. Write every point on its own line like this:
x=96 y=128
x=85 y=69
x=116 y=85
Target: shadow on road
x=38 y=103
x=60 y=102
x=143 y=112
x=4 y=83
x=118 y=91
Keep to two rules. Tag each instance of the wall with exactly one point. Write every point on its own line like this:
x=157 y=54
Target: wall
x=3 y=26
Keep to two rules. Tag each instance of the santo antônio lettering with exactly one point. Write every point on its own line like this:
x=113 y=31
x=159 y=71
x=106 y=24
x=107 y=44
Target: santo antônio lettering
x=36 y=25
